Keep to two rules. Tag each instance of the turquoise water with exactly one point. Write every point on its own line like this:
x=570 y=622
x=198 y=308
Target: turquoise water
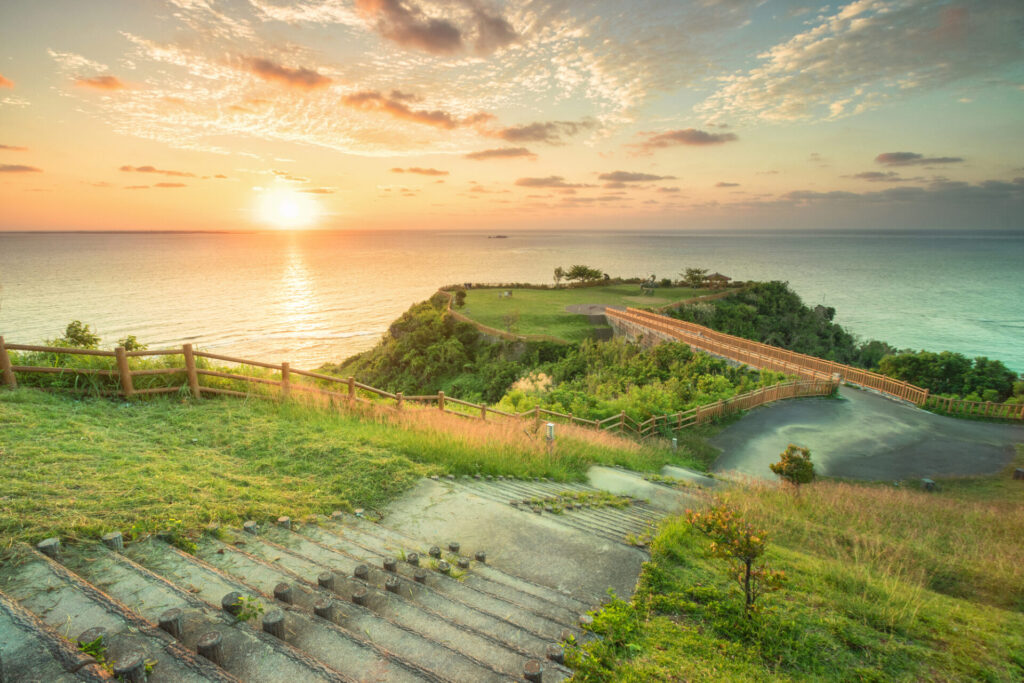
x=318 y=296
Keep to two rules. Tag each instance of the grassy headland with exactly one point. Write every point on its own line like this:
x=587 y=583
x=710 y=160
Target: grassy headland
x=542 y=311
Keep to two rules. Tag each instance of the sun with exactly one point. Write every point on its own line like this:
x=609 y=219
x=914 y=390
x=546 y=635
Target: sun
x=286 y=209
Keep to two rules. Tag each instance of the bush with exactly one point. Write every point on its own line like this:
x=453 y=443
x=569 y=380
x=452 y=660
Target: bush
x=795 y=466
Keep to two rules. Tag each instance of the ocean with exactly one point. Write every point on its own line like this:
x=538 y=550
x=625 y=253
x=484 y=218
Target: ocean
x=313 y=297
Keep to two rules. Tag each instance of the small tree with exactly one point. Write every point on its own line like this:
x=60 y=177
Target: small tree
x=742 y=544
x=511 y=320
x=795 y=466
x=559 y=275
x=694 y=277
x=584 y=273
x=78 y=336
x=460 y=298
x=131 y=343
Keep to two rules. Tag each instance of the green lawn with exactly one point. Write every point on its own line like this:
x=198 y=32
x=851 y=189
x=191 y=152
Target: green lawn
x=80 y=467
x=542 y=311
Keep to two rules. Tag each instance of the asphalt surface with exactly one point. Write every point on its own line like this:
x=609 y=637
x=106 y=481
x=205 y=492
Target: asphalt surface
x=862 y=435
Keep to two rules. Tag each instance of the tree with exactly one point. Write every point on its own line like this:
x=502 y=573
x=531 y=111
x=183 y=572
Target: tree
x=584 y=273
x=694 y=276
x=742 y=544
x=460 y=298
x=78 y=336
x=795 y=466
x=559 y=275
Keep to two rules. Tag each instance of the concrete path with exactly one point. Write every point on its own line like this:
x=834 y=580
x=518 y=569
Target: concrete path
x=864 y=436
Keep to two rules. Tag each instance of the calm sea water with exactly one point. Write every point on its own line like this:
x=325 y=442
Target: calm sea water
x=322 y=296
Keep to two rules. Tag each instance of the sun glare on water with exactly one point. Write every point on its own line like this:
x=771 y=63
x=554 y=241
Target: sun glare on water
x=286 y=209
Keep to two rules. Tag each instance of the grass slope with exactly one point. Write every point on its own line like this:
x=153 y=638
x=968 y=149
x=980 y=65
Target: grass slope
x=542 y=311
x=883 y=585
x=82 y=467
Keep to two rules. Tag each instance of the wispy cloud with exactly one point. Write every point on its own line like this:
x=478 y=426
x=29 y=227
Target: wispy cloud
x=158 y=171
x=100 y=83
x=300 y=78
x=725 y=184
x=420 y=171
x=881 y=177
x=864 y=53
x=19 y=168
x=375 y=101
x=914 y=159
x=13 y=148
x=170 y=185
x=6 y=82
x=501 y=153
x=318 y=190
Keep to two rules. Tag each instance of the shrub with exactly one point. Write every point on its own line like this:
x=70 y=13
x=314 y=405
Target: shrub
x=795 y=466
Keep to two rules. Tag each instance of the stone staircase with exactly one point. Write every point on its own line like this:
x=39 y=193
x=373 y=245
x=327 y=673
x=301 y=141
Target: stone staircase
x=334 y=599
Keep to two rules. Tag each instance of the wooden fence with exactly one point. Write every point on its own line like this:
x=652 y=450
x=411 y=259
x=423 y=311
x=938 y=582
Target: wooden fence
x=288 y=380
x=765 y=356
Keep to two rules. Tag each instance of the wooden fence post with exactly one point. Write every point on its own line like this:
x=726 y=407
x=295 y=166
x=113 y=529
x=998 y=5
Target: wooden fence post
x=398 y=398
x=5 y=367
x=536 y=418
x=190 y=370
x=351 y=388
x=124 y=372
x=440 y=400
x=483 y=412
x=286 y=379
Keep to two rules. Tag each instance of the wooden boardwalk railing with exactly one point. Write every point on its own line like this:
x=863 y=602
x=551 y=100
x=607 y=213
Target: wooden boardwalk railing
x=765 y=356
x=284 y=380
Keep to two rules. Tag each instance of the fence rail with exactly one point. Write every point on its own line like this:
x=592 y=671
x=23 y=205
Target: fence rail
x=347 y=389
x=765 y=356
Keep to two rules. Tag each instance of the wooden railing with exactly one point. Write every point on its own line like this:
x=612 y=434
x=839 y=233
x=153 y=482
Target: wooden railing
x=765 y=356
x=288 y=380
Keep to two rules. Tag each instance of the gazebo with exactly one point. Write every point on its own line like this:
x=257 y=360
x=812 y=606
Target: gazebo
x=716 y=280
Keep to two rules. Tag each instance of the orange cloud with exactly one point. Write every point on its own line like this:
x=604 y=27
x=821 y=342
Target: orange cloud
x=420 y=171
x=170 y=185
x=6 y=83
x=302 y=78
x=375 y=101
x=19 y=168
x=101 y=83
x=501 y=153
x=160 y=171
x=13 y=148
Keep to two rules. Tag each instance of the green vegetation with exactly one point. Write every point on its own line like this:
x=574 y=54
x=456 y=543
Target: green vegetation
x=79 y=467
x=542 y=311
x=247 y=608
x=596 y=380
x=770 y=312
x=883 y=584
x=955 y=375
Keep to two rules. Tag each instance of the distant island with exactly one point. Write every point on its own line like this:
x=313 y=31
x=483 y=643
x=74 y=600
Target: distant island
x=497 y=237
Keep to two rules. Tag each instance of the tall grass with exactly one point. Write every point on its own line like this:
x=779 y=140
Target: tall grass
x=958 y=545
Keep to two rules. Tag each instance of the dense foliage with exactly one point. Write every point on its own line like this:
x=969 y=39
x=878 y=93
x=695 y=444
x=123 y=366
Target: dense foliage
x=770 y=312
x=596 y=380
x=953 y=374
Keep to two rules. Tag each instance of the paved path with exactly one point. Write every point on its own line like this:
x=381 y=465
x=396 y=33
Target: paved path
x=864 y=436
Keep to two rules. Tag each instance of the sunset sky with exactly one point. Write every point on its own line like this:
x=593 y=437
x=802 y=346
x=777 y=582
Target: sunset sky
x=339 y=114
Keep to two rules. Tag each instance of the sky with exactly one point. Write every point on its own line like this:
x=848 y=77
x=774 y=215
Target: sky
x=483 y=114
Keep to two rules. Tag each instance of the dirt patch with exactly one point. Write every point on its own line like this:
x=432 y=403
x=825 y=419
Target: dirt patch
x=591 y=309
